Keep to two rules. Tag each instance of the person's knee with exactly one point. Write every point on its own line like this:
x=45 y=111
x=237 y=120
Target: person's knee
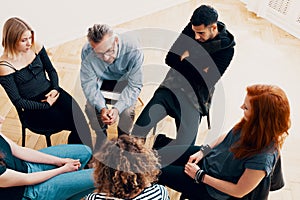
x=87 y=149
x=128 y=114
x=126 y=120
x=94 y=117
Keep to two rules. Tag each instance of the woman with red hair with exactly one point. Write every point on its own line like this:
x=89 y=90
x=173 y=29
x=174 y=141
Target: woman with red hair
x=238 y=162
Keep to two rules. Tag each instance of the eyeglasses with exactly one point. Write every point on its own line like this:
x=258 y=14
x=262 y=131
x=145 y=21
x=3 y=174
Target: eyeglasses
x=109 y=52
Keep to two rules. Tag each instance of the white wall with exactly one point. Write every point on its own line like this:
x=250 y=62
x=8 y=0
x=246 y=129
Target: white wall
x=59 y=21
x=283 y=13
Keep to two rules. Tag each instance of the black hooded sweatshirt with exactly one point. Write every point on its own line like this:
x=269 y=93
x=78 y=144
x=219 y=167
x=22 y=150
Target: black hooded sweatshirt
x=206 y=63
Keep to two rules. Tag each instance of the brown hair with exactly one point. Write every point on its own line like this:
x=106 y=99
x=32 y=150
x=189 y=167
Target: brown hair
x=98 y=31
x=12 y=33
x=124 y=167
x=269 y=121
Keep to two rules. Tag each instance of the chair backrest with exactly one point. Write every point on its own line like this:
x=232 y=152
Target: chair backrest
x=277 y=181
x=111 y=90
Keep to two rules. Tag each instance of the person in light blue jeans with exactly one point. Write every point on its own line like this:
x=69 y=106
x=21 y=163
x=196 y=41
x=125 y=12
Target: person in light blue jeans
x=73 y=185
x=52 y=173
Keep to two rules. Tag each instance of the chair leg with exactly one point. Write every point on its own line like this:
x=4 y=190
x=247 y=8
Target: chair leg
x=23 y=136
x=141 y=101
x=154 y=130
x=208 y=120
x=48 y=140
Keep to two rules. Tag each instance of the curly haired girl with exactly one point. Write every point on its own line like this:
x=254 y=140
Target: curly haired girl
x=126 y=169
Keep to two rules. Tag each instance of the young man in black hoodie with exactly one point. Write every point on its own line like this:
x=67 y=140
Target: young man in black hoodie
x=197 y=60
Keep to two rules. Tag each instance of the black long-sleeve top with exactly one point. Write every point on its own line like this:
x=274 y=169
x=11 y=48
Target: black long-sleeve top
x=206 y=63
x=25 y=84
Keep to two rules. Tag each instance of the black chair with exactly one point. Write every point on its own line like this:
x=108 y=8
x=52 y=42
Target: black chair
x=46 y=132
x=206 y=107
x=208 y=120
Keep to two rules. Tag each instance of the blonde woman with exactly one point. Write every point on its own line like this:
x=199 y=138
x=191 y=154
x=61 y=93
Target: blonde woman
x=31 y=83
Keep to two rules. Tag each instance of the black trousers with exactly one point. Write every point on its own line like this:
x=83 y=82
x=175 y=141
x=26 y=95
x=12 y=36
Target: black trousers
x=164 y=102
x=64 y=114
x=173 y=174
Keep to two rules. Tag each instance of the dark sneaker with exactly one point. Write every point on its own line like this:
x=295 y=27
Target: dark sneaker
x=160 y=141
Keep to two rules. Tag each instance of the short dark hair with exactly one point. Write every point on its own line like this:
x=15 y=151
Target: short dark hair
x=204 y=14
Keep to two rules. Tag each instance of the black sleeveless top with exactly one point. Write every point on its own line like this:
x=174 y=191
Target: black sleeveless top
x=24 y=85
x=13 y=163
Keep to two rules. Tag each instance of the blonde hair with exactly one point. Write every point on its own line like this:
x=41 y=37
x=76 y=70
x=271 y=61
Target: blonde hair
x=12 y=33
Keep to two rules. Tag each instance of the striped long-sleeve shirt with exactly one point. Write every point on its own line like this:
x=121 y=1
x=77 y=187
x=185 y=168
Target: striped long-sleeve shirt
x=155 y=192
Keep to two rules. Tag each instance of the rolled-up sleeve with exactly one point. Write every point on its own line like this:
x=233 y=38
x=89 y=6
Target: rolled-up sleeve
x=264 y=162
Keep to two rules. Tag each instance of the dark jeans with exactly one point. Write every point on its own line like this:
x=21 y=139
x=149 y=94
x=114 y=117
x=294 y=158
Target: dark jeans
x=164 y=102
x=64 y=114
x=173 y=174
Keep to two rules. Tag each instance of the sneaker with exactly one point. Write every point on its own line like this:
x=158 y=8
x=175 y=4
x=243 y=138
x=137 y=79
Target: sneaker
x=160 y=141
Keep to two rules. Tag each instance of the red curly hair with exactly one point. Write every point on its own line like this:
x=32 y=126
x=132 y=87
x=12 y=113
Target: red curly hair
x=269 y=121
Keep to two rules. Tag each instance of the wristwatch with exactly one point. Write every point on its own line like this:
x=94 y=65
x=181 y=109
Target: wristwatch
x=205 y=149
